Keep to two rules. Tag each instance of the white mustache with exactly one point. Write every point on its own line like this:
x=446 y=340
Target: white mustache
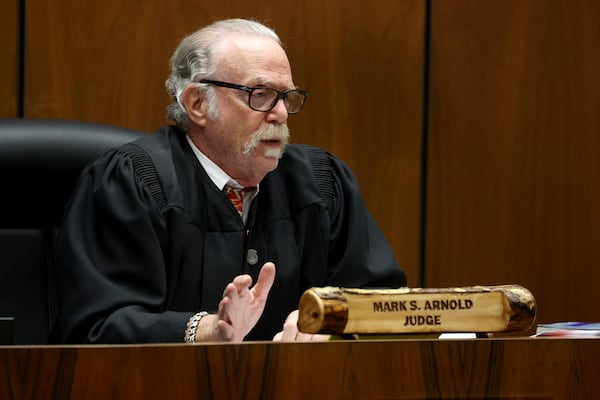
x=271 y=132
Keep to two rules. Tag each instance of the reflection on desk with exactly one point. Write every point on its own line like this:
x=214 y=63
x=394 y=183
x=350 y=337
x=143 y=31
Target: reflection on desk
x=378 y=369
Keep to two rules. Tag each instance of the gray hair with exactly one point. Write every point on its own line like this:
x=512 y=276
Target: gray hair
x=193 y=60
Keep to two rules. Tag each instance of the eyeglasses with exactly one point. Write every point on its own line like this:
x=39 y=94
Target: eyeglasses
x=264 y=99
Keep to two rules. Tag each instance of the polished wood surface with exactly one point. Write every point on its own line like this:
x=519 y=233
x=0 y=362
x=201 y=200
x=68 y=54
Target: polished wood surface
x=399 y=369
x=9 y=65
x=514 y=172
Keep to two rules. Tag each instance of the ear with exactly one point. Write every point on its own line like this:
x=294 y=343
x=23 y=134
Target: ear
x=193 y=100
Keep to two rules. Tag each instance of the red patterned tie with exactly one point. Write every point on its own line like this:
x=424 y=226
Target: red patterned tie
x=236 y=196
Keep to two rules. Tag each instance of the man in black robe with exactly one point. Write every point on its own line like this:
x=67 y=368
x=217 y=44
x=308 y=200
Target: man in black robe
x=153 y=250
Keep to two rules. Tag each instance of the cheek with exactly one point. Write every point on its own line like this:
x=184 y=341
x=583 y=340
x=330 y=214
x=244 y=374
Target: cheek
x=240 y=124
x=248 y=130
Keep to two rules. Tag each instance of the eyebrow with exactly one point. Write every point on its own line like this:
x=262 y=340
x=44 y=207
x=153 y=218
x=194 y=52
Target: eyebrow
x=266 y=83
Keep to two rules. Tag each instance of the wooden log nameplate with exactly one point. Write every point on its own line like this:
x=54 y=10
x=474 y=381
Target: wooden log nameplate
x=485 y=309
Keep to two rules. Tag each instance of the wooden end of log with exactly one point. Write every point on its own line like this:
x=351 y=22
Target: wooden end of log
x=333 y=310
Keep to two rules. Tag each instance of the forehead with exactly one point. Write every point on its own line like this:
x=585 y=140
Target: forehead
x=253 y=60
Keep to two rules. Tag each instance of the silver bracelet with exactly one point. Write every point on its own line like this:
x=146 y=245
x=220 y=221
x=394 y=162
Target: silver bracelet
x=192 y=325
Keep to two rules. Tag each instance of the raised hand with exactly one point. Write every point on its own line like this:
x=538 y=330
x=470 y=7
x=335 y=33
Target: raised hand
x=242 y=306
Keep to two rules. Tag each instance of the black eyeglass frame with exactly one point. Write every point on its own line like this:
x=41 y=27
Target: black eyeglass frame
x=281 y=94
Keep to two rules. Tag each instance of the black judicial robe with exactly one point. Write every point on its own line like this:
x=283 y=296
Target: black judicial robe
x=131 y=271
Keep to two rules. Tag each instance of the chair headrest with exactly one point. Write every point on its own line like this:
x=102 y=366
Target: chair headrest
x=40 y=160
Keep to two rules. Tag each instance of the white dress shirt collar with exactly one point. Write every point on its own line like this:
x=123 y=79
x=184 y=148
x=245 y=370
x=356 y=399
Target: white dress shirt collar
x=220 y=177
x=214 y=172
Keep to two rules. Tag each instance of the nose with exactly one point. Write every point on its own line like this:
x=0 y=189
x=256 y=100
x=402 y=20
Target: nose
x=279 y=113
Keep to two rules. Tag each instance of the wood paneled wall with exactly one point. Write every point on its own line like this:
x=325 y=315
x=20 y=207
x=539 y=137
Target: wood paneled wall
x=107 y=62
x=9 y=58
x=511 y=116
x=514 y=174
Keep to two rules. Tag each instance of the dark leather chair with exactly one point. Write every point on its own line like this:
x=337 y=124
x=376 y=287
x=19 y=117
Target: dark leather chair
x=40 y=161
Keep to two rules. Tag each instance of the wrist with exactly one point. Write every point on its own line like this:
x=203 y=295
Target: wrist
x=191 y=330
x=206 y=331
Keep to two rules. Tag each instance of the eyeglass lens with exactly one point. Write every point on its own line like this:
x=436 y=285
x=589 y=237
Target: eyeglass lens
x=264 y=99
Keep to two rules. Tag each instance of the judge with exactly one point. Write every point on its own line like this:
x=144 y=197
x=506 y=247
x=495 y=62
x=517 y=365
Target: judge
x=212 y=228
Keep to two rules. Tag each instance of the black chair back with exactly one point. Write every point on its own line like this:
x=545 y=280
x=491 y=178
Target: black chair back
x=40 y=161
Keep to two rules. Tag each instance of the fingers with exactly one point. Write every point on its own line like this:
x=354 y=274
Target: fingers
x=241 y=307
x=300 y=337
x=231 y=296
x=319 y=338
x=265 y=280
x=266 y=277
x=238 y=286
x=224 y=305
x=242 y=281
x=224 y=331
x=290 y=328
x=291 y=333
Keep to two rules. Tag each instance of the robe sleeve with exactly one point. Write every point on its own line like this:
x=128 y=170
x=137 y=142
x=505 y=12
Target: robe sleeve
x=110 y=269
x=359 y=253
